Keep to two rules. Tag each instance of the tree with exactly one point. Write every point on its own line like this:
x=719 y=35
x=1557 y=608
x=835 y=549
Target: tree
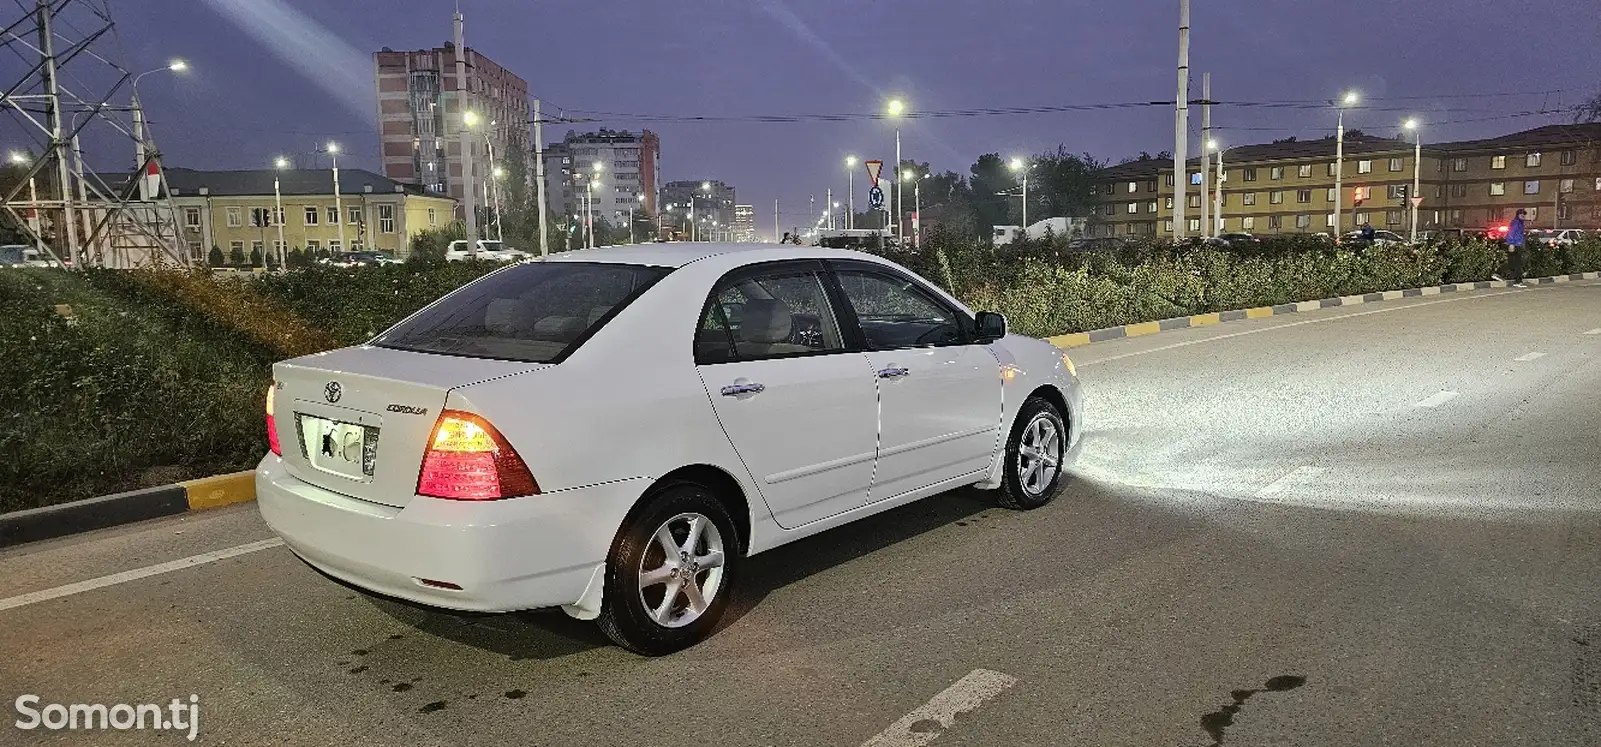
x=1289 y=139
x=990 y=184
x=214 y=257
x=236 y=255
x=1590 y=111
x=255 y=256
x=1061 y=184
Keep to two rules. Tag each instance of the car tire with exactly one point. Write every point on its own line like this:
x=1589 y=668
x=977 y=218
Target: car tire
x=1030 y=444
x=642 y=618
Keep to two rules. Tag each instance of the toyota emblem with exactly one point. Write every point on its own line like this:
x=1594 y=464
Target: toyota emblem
x=332 y=391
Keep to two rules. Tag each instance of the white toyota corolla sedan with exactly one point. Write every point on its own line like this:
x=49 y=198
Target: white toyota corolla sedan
x=614 y=431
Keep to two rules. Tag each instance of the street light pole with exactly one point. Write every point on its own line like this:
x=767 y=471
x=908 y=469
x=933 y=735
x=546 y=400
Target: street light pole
x=333 y=151
x=895 y=107
x=850 y=192
x=176 y=66
x=1414 y=196
x=278 y=201
x=1217 y=197
x=1339 y=158
x=33 y=198
x=1020 y=165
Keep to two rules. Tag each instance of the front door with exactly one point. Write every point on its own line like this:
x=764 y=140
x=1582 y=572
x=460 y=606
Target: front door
x=939 y=392
x=800 y=410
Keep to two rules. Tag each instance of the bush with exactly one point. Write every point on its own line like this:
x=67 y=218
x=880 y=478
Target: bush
x=214 y=257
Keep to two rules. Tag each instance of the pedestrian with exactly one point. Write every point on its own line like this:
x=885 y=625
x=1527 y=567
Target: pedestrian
x=1368 y=232
x=1514 y=248
x=784 y=240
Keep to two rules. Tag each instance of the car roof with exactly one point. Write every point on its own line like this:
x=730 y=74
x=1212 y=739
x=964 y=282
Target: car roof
x=680 y=253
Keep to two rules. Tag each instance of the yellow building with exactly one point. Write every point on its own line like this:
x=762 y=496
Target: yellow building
x=1551 y=172
x=235 y=210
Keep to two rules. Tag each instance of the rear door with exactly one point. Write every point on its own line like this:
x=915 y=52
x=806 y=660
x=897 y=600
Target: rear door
x=939 y=391
x=800 y=409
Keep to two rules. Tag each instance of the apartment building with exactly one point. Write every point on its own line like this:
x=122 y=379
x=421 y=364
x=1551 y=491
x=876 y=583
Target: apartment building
x=626 y=179
x=237 y=210
x=712 y=201
x=745 y=223
x=421 y=111
x=1554 y=172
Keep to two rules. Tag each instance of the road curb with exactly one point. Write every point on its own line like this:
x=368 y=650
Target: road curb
x=60 y=520
x=1140 y=329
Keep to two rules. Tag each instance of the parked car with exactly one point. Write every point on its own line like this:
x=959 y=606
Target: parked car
x=1380 y=238
x=22 y=255
x=1238 y=238
x=363 y=258
x=495 y=251
x=614 y=431
x=1097 y=244
x=1557 y=237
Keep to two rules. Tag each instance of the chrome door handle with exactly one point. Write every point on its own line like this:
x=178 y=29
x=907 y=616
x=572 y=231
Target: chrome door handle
x=737 y=389
x=893 y=372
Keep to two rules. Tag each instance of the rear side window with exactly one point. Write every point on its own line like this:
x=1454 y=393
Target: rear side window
x=538 y=312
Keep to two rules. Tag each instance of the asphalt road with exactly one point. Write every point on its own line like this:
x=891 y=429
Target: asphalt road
x=1361 y=526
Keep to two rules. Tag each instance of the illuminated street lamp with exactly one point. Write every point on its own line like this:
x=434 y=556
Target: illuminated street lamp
x=1019 y=165
x=1414 y=196
x=850 y=191
x=339 y=208
x=1350 y=99
x=894 y=108
x=19 y=158
x=175 y=66
x=917 y=203
x=279 y=164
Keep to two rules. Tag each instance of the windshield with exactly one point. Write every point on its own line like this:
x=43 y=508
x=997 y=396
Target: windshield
x=538 y=312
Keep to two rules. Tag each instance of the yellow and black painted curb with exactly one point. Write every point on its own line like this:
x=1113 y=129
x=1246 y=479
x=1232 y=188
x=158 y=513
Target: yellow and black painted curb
x=1078 y=339
x=125 y=508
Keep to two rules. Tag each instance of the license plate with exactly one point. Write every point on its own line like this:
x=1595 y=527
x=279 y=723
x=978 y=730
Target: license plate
x=346 y=449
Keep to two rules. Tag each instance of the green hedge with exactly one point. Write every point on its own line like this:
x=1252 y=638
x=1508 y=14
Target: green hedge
x=151 y=377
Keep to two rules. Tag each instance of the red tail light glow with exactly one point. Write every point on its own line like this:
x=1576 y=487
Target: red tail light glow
x=272 y=424
x=467 y=459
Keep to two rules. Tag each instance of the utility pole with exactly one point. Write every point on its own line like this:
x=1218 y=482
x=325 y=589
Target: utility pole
x=539 y=174
x=1206 y=152
x=464 y=137
x=1217 y=206
x=828 y=201
x=58 y=147
x=1181 y=125
x=777 y=234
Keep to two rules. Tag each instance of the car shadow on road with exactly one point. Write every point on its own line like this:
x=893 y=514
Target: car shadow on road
x=551 y=634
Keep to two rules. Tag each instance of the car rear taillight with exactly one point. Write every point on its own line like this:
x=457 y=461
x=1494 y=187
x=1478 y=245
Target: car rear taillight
x=272 y=424
x=468 y=460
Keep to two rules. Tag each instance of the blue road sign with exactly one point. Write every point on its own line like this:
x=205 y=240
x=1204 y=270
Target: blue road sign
x=875 y=197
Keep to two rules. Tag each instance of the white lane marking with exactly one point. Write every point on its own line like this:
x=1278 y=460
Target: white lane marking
x=1596 y=331
x=136 y=574
x=1294 y=478
x=1526 y=357
x=1437 y=400
x=1287 y=325
x=966 y=694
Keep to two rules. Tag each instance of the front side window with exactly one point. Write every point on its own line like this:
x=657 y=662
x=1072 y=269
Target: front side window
x=895 y=312
x=773 y=314
x=537 y=312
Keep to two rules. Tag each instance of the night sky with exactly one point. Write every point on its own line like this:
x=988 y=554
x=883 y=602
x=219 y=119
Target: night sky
x=276 y=77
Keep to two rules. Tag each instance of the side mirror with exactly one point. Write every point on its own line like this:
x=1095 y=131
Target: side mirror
x=991 y=326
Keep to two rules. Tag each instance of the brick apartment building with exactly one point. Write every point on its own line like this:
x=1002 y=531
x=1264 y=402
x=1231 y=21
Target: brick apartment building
x=1554 y=172
x=420 y=114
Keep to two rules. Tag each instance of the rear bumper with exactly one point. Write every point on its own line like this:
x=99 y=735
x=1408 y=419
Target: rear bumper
x=520 y=553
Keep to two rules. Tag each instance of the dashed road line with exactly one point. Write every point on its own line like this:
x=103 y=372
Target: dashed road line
x=1526 y=357
x=1294 y=478
x=136 y=574
x=929 y=720
x=1438 y=399
x=1596 y=331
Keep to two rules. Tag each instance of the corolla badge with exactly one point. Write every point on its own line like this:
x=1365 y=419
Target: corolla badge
x=407 y=409
x=332 y=391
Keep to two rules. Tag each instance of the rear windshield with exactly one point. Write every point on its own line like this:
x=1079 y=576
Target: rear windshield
x=537 y=312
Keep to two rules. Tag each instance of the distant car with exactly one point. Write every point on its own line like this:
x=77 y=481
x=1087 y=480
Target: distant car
x=1239 y=238
x=494 y=251
x=1380 y=238
x=614 y=431
x=1557 y=237
x=364 y=258
x=22 y=255
x=1097 y=244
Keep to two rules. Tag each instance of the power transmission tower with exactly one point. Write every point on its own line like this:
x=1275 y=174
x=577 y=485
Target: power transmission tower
x=78 y=88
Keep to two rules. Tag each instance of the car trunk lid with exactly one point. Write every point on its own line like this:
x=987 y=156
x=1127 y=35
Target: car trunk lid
x=356 y=421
